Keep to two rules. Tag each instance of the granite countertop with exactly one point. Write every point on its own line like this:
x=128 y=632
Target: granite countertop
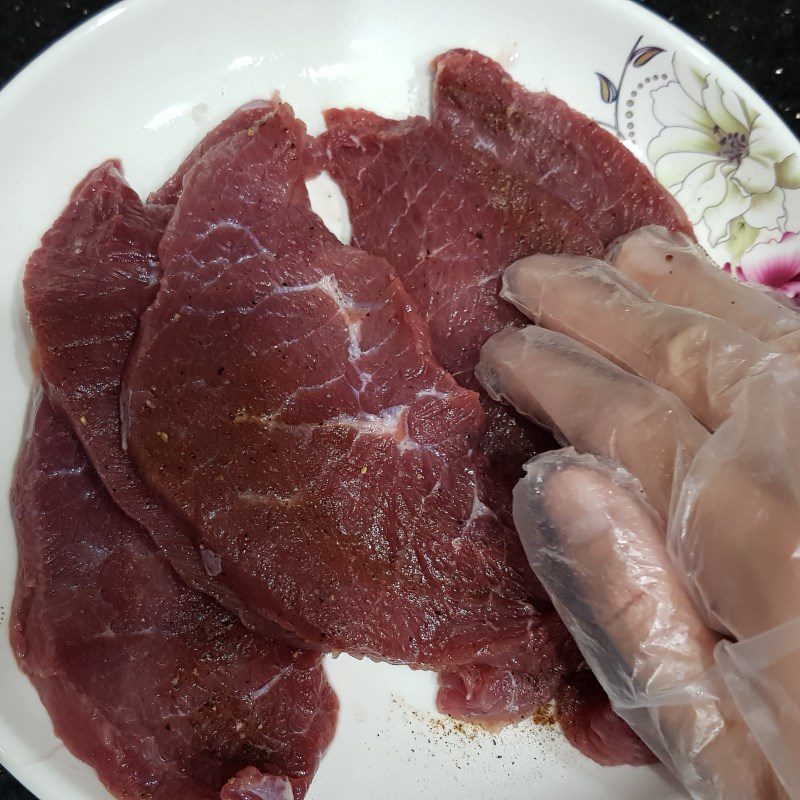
x=758 y=38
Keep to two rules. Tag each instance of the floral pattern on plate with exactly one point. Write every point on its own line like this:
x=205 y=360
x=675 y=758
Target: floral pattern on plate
x=774 y=263
x=735 y=176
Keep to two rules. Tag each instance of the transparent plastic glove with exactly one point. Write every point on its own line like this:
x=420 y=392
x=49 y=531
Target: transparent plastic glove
x=761 y=674
x=594 y=405
x=676 y=270
x=599 y=549
x=701 y=359
x=734 y=510
x=735 y=533
x=735 y=530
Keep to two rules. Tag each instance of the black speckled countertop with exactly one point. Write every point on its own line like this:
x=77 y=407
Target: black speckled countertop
x=760 y=39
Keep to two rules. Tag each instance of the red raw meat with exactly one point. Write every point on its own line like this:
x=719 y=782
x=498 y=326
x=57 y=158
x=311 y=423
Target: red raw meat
x=450 y=225
x=241 y=119
x=283 y=400
x=493 y=697
x=151 y=683
x=483 y=109
x=85 y=289
x=420 y=202
x=591 y=726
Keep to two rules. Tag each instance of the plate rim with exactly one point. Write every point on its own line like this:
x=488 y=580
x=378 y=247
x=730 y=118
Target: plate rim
x=23 y=83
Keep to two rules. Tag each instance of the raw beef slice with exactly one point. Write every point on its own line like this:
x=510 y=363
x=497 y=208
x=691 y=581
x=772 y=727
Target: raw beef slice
x=155 y=686
x=450 y=224
x=589 y=723
x=491 y=697
x=591 y=726
x=243 y=118
x=481 y=108
x=282 y=399
x=85 y=289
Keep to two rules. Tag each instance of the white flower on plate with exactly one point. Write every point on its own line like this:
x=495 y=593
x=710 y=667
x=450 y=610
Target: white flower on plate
x=719 y=158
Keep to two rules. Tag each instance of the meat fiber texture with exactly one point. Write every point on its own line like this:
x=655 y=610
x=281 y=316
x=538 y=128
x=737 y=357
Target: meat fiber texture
x=97 y=271
x=346 y=503
x=483 y=109
x=450 y=218
x=85 y=289
x=249 y=114
x=450 y=224
x=151 y=683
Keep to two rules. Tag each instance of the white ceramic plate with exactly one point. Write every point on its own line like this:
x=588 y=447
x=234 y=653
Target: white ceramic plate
x=146 y=79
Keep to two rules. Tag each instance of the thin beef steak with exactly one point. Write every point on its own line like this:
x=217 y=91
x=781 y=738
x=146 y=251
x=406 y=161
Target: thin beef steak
x=151 y=683
x=481 y=108
x=241 y=119
x=465 y=220
x=450 y=224
x=85 y=289
x=283 y=400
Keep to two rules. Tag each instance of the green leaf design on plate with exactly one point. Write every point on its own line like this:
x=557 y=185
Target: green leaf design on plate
x=608 y=91
x=645 y=54
x=743 y=237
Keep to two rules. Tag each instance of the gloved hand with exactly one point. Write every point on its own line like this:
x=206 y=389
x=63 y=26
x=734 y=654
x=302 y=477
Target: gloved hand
x=682 y=583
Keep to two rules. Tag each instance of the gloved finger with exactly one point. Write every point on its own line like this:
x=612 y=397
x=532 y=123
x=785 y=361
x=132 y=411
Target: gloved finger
x=735 y=534
x=697 y=357
x=599 y=550
x=736 y=531
x=676 y=270
x=763 y=675
x=594 y=405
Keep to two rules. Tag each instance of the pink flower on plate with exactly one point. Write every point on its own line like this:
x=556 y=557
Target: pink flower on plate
x=774 y=264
